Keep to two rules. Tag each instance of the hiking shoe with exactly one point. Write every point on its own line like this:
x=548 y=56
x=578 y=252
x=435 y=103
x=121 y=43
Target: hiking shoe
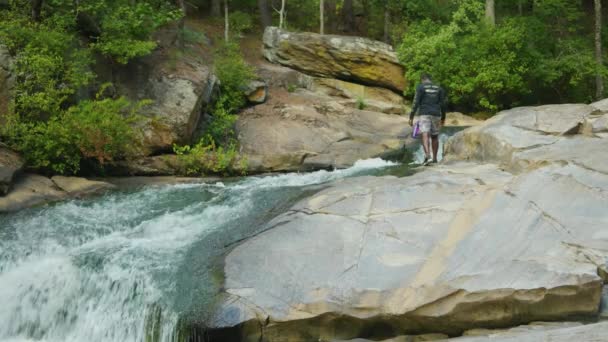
x=427 y=161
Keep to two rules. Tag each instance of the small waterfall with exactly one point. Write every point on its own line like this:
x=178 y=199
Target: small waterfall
x=106 y=269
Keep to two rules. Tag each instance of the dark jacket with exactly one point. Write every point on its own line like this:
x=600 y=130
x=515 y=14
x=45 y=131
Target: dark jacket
x=430 y=99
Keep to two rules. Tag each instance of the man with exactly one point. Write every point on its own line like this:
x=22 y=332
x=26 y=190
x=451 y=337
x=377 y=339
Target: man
x=430 y=106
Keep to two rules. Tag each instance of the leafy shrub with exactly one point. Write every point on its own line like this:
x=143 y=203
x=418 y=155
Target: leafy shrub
x=240 y=22
x=361 y=103
x=97 y=130
x=126 y=27
x=206 y=157
x=234 y=74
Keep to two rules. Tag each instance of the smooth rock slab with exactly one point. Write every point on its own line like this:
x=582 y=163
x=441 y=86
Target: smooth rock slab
x=79 y=187
x=585 y=333
x=446 y=250
x=31 y=190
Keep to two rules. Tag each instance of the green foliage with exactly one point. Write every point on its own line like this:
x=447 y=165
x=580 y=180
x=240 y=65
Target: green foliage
x=234 y=74
x=49 y=65
x=291 y=88
x=217 y=151
x=126 y=27
x=523 y=60
x=361 y=103
x=100 y=130
x=205 y=157
x=240 y=22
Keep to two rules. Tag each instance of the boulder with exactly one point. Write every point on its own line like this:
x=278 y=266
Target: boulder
x=6 y=81
x=531 y=136
x=601 y=105
x=457 y=247
x=10 y=164
x=352 y=59
x=80 y=187
x=180 y=90
x=256 y=91
x=460 y=120
x=306 y=131
x=31 y=190
x=277 y=76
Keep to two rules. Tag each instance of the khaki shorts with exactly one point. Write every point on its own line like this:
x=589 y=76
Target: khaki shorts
x=429 y=124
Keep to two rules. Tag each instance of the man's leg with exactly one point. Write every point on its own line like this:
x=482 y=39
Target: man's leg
x=435 y=139
x=426 y=145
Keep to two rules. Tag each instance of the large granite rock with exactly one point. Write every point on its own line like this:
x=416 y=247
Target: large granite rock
x=305 y=131
x=180 y=90
x=370 y=98
x=354 y=59
x=453 y=248
x=10 y=164
x=529 y=137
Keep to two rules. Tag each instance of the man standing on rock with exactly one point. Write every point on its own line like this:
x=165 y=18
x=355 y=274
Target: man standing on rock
x=430 y=106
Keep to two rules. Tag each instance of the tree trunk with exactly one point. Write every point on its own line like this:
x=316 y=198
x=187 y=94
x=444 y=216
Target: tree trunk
x=348 y=16
x=520 y=7
x=330 y=14
x=387 y=23
x=321 y=17
x=181 y=24
x=36 y=8
x=490 y=12
x=226 y=22
x=599 y=82
x=265 y=16
x=282 y=15
x=216 y=8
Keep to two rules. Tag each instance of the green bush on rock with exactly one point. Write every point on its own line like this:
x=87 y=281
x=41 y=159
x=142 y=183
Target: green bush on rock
x=217 y=151
x=98 y=131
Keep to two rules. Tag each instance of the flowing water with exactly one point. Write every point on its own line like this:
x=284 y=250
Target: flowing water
x=125 y=266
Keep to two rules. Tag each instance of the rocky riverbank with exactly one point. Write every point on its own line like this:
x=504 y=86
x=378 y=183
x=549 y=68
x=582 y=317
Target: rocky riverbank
x=512 y=230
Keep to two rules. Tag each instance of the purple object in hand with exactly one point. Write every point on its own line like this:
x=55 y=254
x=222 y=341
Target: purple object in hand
x=416 y=130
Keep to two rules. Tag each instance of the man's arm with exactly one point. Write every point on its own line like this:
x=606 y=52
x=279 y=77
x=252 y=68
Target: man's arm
x=416 y=102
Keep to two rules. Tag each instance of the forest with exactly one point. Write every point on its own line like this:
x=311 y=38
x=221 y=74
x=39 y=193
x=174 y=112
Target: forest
x=489 y=55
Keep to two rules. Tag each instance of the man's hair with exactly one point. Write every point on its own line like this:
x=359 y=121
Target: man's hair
x=425 y=77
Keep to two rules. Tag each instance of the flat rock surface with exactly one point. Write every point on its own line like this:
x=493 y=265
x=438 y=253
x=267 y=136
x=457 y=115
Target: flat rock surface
x=78 y=186
x=452 y=248
x=305 y=131
x=31 y=190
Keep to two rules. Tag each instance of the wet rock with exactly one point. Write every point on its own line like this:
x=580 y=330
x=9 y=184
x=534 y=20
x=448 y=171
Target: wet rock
x=10 y=165
x=307 y=131
x=80 y=187
x=601 y=105
x=413 y=338
x=604 y=304
x=31 y=190
x=352 y=59
x=453 y=248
